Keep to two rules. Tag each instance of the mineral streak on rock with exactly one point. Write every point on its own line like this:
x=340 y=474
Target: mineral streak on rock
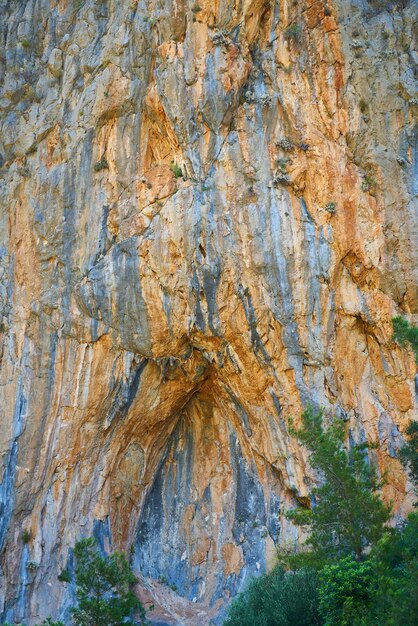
x=208 y=219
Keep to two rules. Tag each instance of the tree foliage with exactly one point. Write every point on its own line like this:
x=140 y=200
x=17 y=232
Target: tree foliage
x=345 y=591
x=362 y=572
x=409 y=453
x=277 y=599
x=404 y=333
x=103 y=588
x=395 y=562
x=348 y=514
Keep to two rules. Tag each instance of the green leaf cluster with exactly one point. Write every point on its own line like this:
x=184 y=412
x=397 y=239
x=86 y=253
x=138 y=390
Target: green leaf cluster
x=345 y=591
x=405 y=333
x=278 y=599
x=409 y=453
x=357 y=571
x=103 y=588
x=347 y=514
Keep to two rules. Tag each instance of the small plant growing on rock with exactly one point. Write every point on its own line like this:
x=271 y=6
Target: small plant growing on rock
x=32 y=565
x=285 y=144
x=176 y=169
x=249 y=96
x=363 y=106
x=26 y=535
x=285 y=68
x=330 y=207
x=281 y=179
x=266 y=101
x=221 y=38
x=64 y=576
x=282 y=163
x=196 y=8
x=293 y=32
x=369 y=183
x=101 y=165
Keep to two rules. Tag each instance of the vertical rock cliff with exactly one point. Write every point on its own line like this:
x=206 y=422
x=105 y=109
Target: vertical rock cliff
x=208 y=217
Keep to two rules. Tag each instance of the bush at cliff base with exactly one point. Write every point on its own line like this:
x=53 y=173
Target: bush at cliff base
x=369 y=577
x=278 y=599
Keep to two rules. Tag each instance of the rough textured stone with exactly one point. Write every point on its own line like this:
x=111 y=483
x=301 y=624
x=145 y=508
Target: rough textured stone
x=173 y=287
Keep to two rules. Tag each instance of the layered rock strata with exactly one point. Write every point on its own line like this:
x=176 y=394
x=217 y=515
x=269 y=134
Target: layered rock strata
x=208 y=219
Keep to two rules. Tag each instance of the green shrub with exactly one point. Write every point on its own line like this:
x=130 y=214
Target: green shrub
x=26 y=535
x=345 y=591
x=369 y=184
x=277 y=599
x=285 y=144
x=409 y=453
x=405 y=333
x=348 y=515
x=176 y=169
x=64 y=576
x=293 y=32
x=395 y=561
x=330 y=207
x=358 y=572
x=103 y=588
x=101 y=165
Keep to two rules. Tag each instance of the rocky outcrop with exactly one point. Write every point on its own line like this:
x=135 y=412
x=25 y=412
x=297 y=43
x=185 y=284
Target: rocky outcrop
x=208 y=219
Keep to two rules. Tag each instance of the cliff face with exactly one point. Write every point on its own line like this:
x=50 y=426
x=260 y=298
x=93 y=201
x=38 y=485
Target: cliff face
x=208 y=219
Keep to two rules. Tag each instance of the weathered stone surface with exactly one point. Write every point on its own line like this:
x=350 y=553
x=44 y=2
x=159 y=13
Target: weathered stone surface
x=174 y=284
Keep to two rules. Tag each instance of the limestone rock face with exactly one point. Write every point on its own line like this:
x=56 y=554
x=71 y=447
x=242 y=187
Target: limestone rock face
x=208 y=217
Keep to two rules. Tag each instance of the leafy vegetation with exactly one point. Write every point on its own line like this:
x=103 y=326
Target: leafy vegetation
x=405 y=333
x=345 y=589
x=176 y=169
x=357 y=570
x=278 y=599
x=409 y=453
x=330 y=207
x=349 y=515
x=64 y=576
x=293 y=32
x=101 y=165
x=369 y=183
x=104 y=588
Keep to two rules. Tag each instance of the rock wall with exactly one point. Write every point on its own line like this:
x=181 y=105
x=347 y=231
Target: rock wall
x=208 y=218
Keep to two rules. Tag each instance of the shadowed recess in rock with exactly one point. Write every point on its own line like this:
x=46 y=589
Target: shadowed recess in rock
x=204 y=524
